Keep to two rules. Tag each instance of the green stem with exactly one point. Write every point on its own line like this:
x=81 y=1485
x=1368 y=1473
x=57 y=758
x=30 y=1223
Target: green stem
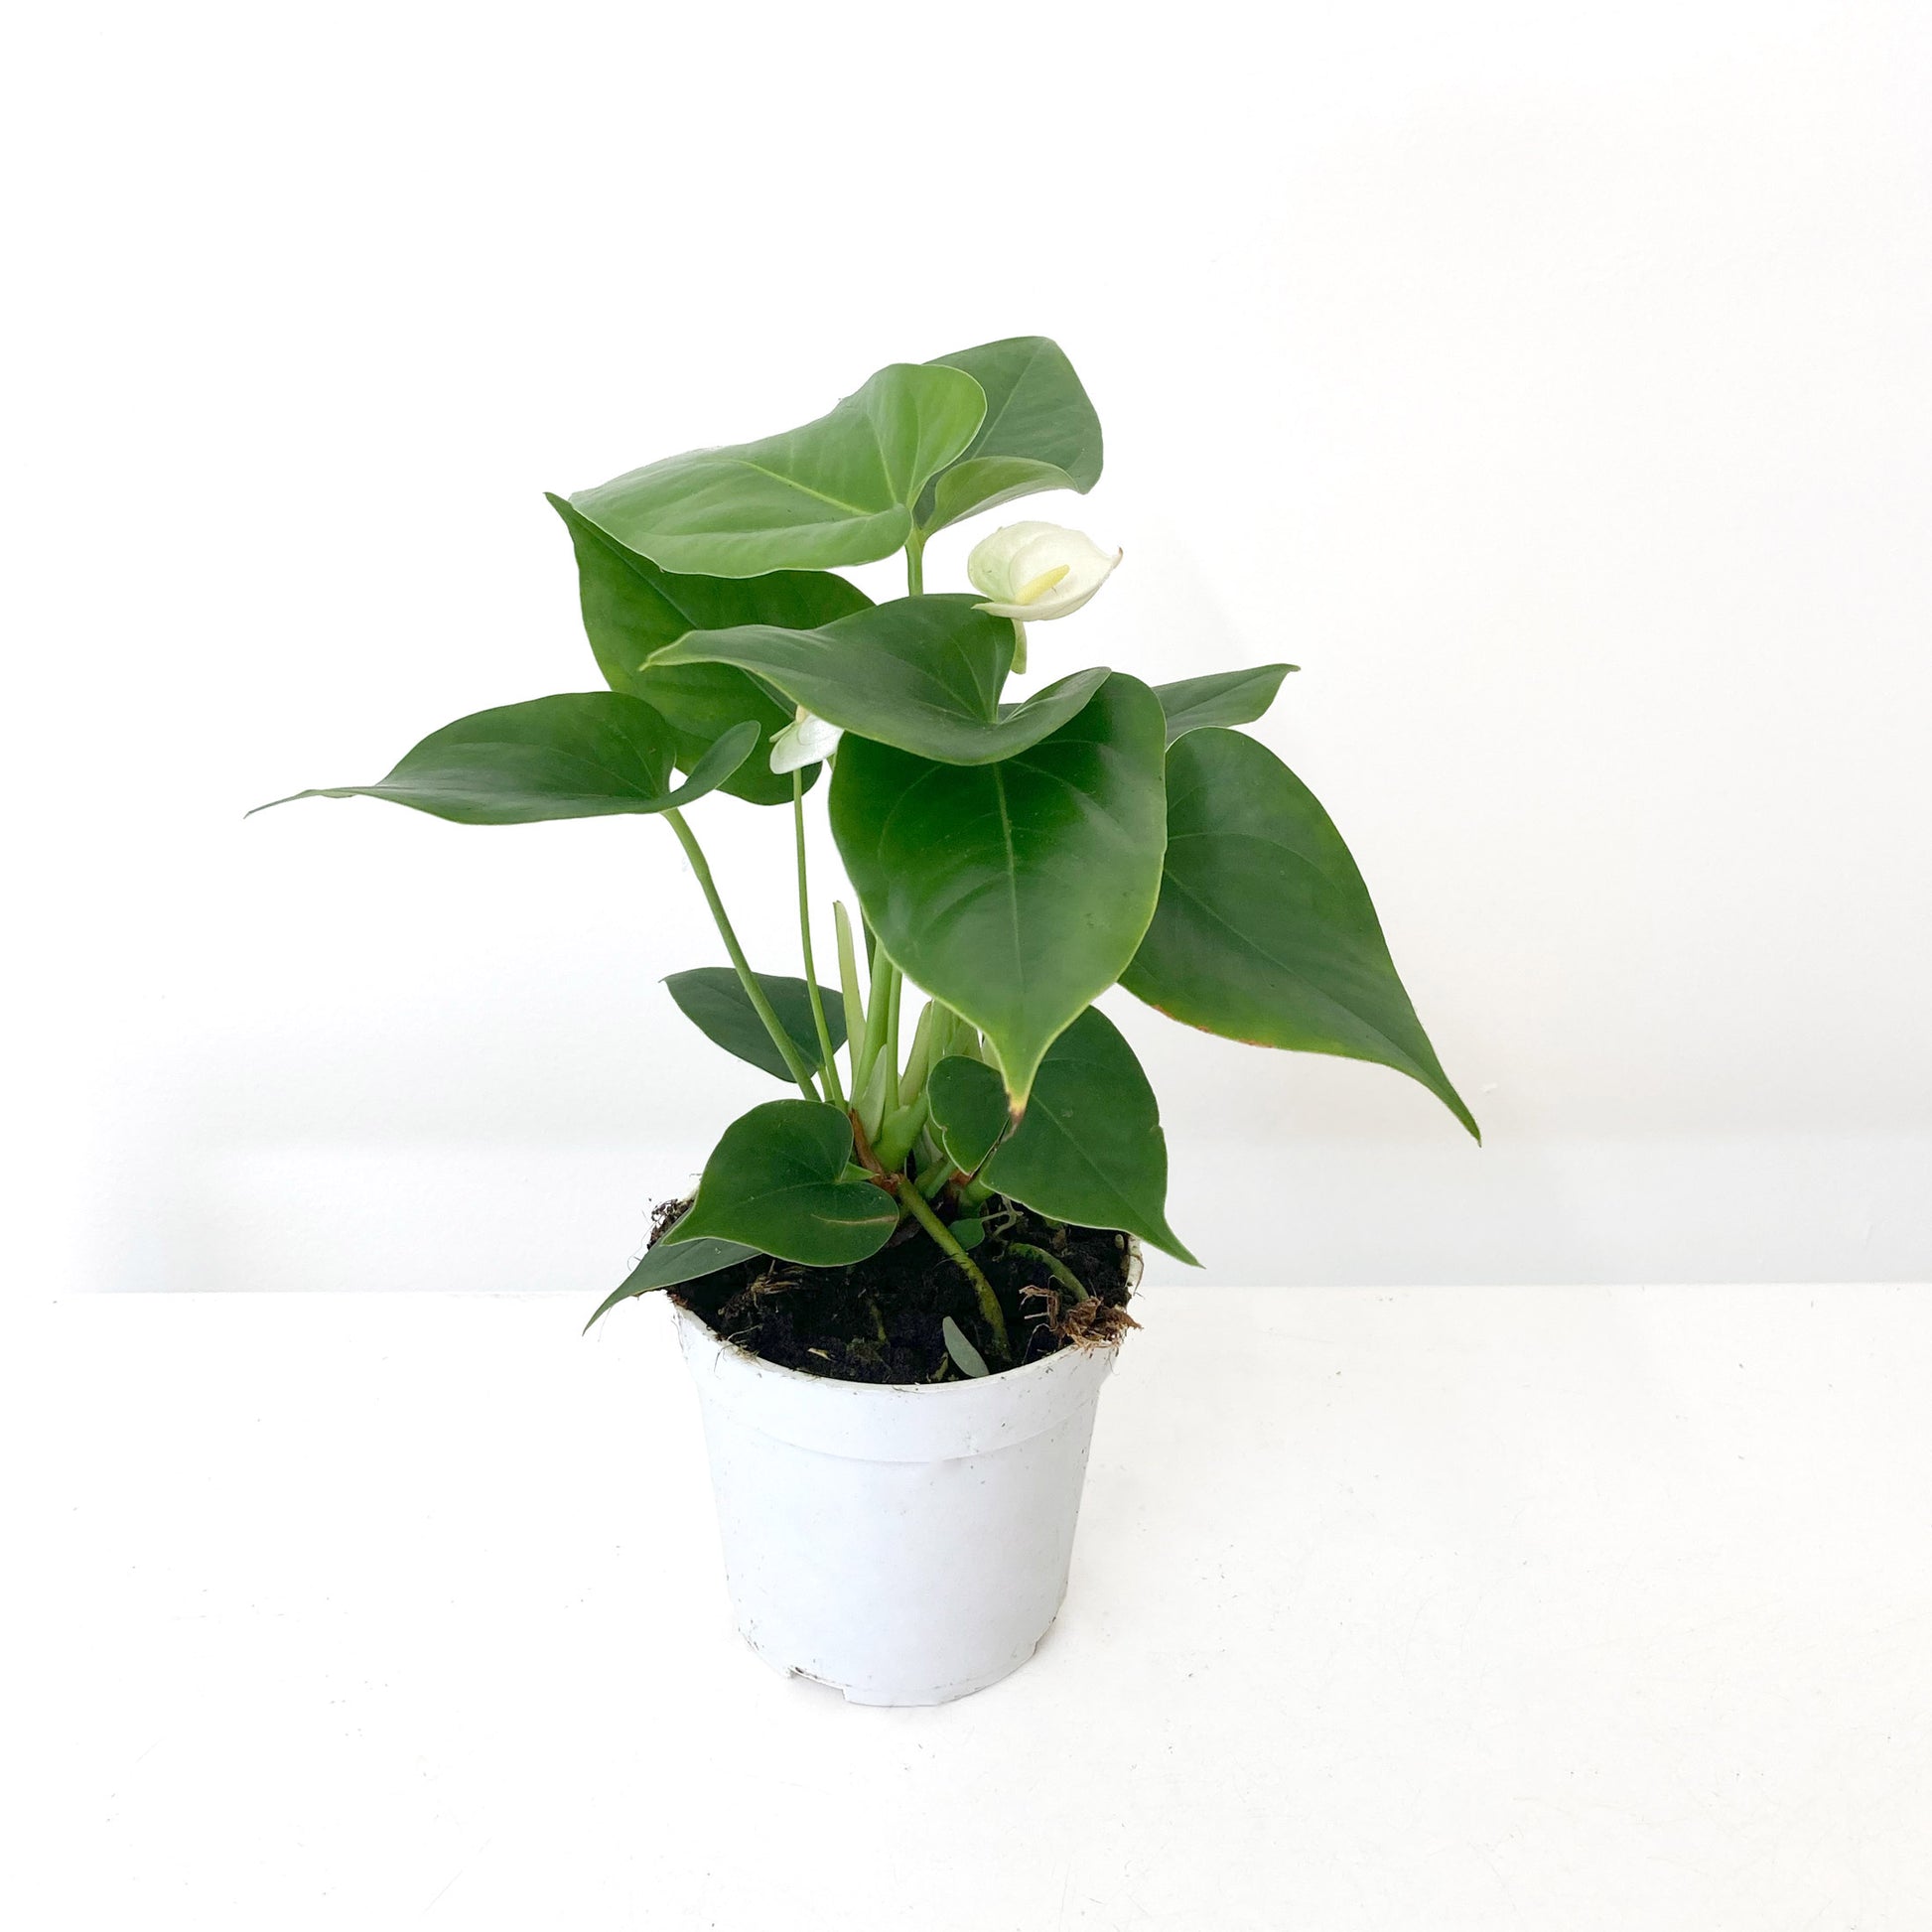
x=916 y=564
x=782 y=1041
x=1058 y=1268
x=827 y=1058
x=941 y=1233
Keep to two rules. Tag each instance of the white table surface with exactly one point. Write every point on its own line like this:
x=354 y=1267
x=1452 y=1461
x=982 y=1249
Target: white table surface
x=1424 y=1610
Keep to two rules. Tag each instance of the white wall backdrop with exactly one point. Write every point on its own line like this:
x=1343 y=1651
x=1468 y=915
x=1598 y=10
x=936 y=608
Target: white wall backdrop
x=1551 y=383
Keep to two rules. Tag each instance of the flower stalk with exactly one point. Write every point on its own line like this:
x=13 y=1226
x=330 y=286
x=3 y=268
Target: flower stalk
x=782 y=1041
x=828 y=1060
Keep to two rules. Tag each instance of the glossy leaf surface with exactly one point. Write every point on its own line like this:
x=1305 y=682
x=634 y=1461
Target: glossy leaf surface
x=922 y=673
x=584 y=755
x=775 y=1184
x=1266 y=932
x=1222 y=698
x=632 y=609
x=671 y=1264
x=1040 y=430
x=968 y=1110
x=714 y=999
x=1089 y=1149
x=838 y=490
x=1016 y=891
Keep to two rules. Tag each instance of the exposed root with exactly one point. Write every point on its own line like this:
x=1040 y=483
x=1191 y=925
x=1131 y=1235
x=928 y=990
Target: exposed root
x=881 y=1320
x=664 y=1214
x=1092 y=1323
x=773 y=1281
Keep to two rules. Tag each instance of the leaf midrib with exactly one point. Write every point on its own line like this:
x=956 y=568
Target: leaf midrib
x=982 y=734
x=1348 y=884
x=806 y=490
x=626 y=787
x=1301 y=979
x=1012 y=882
x=987 y=428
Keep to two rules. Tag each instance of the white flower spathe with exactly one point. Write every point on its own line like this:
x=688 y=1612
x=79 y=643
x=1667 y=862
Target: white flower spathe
x=1030 y=572
x=807 y=740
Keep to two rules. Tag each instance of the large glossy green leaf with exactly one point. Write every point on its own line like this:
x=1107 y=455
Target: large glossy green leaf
x=714 y=999
x=922 y=673
x=1266 y=932
x=1222 y=698
x=775 y=1182
x=1089 y=1149
x=1016 y=891
x=838 y=490
x=631 y=608
x=1040 y=432
x=670 y=1265
x=584 y=755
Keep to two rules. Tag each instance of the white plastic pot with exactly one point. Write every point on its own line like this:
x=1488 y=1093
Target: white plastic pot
x=905 y=1543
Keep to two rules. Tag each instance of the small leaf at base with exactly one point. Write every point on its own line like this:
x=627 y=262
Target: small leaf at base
x=776 y=1181
x=969 y=1110
x=714 y=999
x=672 y=1263
x=966 y=1358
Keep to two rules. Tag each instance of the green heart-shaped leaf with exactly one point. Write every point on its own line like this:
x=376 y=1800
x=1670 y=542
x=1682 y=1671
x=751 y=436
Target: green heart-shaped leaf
x=838 y=490
x=1040 y=432
x=1266 y=932
x=1016 y=891
x=583 y=755
x=775 y=1182
x=1090 y=1149
x=923 y=673
x=631 y=608
x=968 y=1110
x=714 y=999
x=1222 y=698
x=671 y=1264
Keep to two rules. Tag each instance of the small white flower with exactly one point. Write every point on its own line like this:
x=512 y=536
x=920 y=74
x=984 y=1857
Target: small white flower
x=807 y=740
x=1030 y=572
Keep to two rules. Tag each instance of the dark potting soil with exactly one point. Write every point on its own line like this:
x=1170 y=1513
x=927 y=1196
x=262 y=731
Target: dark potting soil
x=879 y=1320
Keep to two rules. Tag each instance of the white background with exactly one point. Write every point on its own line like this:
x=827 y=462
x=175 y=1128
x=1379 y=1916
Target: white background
x=409 y=1614
x=1551 y=383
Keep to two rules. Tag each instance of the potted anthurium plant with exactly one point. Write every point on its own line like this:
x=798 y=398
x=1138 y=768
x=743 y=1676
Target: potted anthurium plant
x=902 y=1286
